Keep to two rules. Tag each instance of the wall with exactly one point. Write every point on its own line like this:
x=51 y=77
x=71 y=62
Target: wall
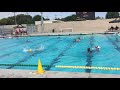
x=80 y=26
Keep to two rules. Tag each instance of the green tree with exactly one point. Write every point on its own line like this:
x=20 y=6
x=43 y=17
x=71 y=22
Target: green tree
x=70 y=18
x=46 y=19
x=24 y=19
x=97 y=17
x=3 y=21
x=21 y=19
x=110 y=15
x=57 y=19
x=11 y=21
x=36 y=18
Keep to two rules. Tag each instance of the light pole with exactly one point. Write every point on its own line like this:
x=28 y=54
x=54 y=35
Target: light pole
x=15 y=19
x=61 y=15
x=42 y=24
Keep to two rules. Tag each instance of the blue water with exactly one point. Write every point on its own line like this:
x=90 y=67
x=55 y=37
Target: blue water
x=62 y=50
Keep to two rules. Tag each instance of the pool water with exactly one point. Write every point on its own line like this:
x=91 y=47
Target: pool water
x=62 y=50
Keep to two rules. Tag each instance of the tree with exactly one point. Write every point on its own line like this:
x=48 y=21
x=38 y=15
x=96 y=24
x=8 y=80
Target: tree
x=102 y=17
x=110 y=15
x=36 y=18
x=24 y=19
x=46 y=19
x=11 y=20
x=3 y=21
x=57 y=19
x=21 y=19
x=70 y=18
x=97 y=17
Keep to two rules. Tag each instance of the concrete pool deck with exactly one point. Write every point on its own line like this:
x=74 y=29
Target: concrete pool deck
x=58 y=34
x=15 y=73
x=70 y=33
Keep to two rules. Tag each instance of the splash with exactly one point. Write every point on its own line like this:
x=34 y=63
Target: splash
x=27 y=49
x=40 y=48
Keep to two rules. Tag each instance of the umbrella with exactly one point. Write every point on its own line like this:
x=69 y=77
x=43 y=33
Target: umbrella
x=115 y=21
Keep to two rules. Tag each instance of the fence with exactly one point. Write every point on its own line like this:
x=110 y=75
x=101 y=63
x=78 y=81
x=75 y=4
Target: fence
x=4 y=29
x=31 y=28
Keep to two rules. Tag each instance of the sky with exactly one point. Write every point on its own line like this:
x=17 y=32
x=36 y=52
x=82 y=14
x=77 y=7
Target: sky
x=50 y=15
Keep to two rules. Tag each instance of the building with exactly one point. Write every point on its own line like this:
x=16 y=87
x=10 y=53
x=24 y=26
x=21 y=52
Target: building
x=48 y=21
x=86 y=15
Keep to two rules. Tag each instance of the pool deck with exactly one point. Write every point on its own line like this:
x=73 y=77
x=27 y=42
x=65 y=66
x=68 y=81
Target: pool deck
x=70 y=33
x=15 y=73
x=56 y=34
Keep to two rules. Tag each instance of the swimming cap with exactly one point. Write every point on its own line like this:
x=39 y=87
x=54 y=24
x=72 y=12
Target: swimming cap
x=30 y=50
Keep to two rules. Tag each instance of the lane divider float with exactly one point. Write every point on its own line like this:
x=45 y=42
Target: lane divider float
x=87 y=67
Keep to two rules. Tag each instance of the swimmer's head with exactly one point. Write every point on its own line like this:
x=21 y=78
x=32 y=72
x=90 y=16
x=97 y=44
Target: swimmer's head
x=30 y=50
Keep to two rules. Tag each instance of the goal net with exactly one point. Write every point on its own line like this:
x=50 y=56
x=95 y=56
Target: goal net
x=66 y=29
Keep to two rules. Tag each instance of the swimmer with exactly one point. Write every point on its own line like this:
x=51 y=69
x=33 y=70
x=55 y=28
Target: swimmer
x=40 y=48
x=77 y=40
x=97 y=48
x=30 y=50
x=27 y=41
x=117 y=40
x=89 y=50
x=27 y=50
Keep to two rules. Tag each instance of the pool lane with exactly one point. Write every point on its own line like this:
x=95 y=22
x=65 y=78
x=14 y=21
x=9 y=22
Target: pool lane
x=108 y=55
x=61 y=54
x=51 y=52
x=73 y=56
x=24 y=59
x=12 y=51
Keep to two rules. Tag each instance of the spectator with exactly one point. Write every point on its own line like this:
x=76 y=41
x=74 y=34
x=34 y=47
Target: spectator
x=53 y=30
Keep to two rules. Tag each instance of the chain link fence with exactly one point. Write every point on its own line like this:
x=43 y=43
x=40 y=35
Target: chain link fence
x=6 y=29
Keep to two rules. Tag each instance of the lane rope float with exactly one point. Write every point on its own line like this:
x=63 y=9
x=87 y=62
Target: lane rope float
x=29 y=65
x=87 y=67
x=61 y=66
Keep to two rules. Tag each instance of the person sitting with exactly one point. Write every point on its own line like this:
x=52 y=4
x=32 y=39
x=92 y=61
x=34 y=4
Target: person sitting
x=116 y=28
x=3 y=34
x=112 y=28
x=17 y=32
x=53 y=30
x=20 y=32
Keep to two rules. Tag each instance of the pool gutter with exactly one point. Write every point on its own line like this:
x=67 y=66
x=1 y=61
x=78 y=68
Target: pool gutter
x=16 y=73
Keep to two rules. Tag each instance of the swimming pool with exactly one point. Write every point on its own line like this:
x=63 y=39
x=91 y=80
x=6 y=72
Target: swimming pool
x=62 y=50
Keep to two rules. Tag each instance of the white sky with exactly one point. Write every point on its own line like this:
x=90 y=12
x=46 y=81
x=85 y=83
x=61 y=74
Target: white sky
x=50 y=15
